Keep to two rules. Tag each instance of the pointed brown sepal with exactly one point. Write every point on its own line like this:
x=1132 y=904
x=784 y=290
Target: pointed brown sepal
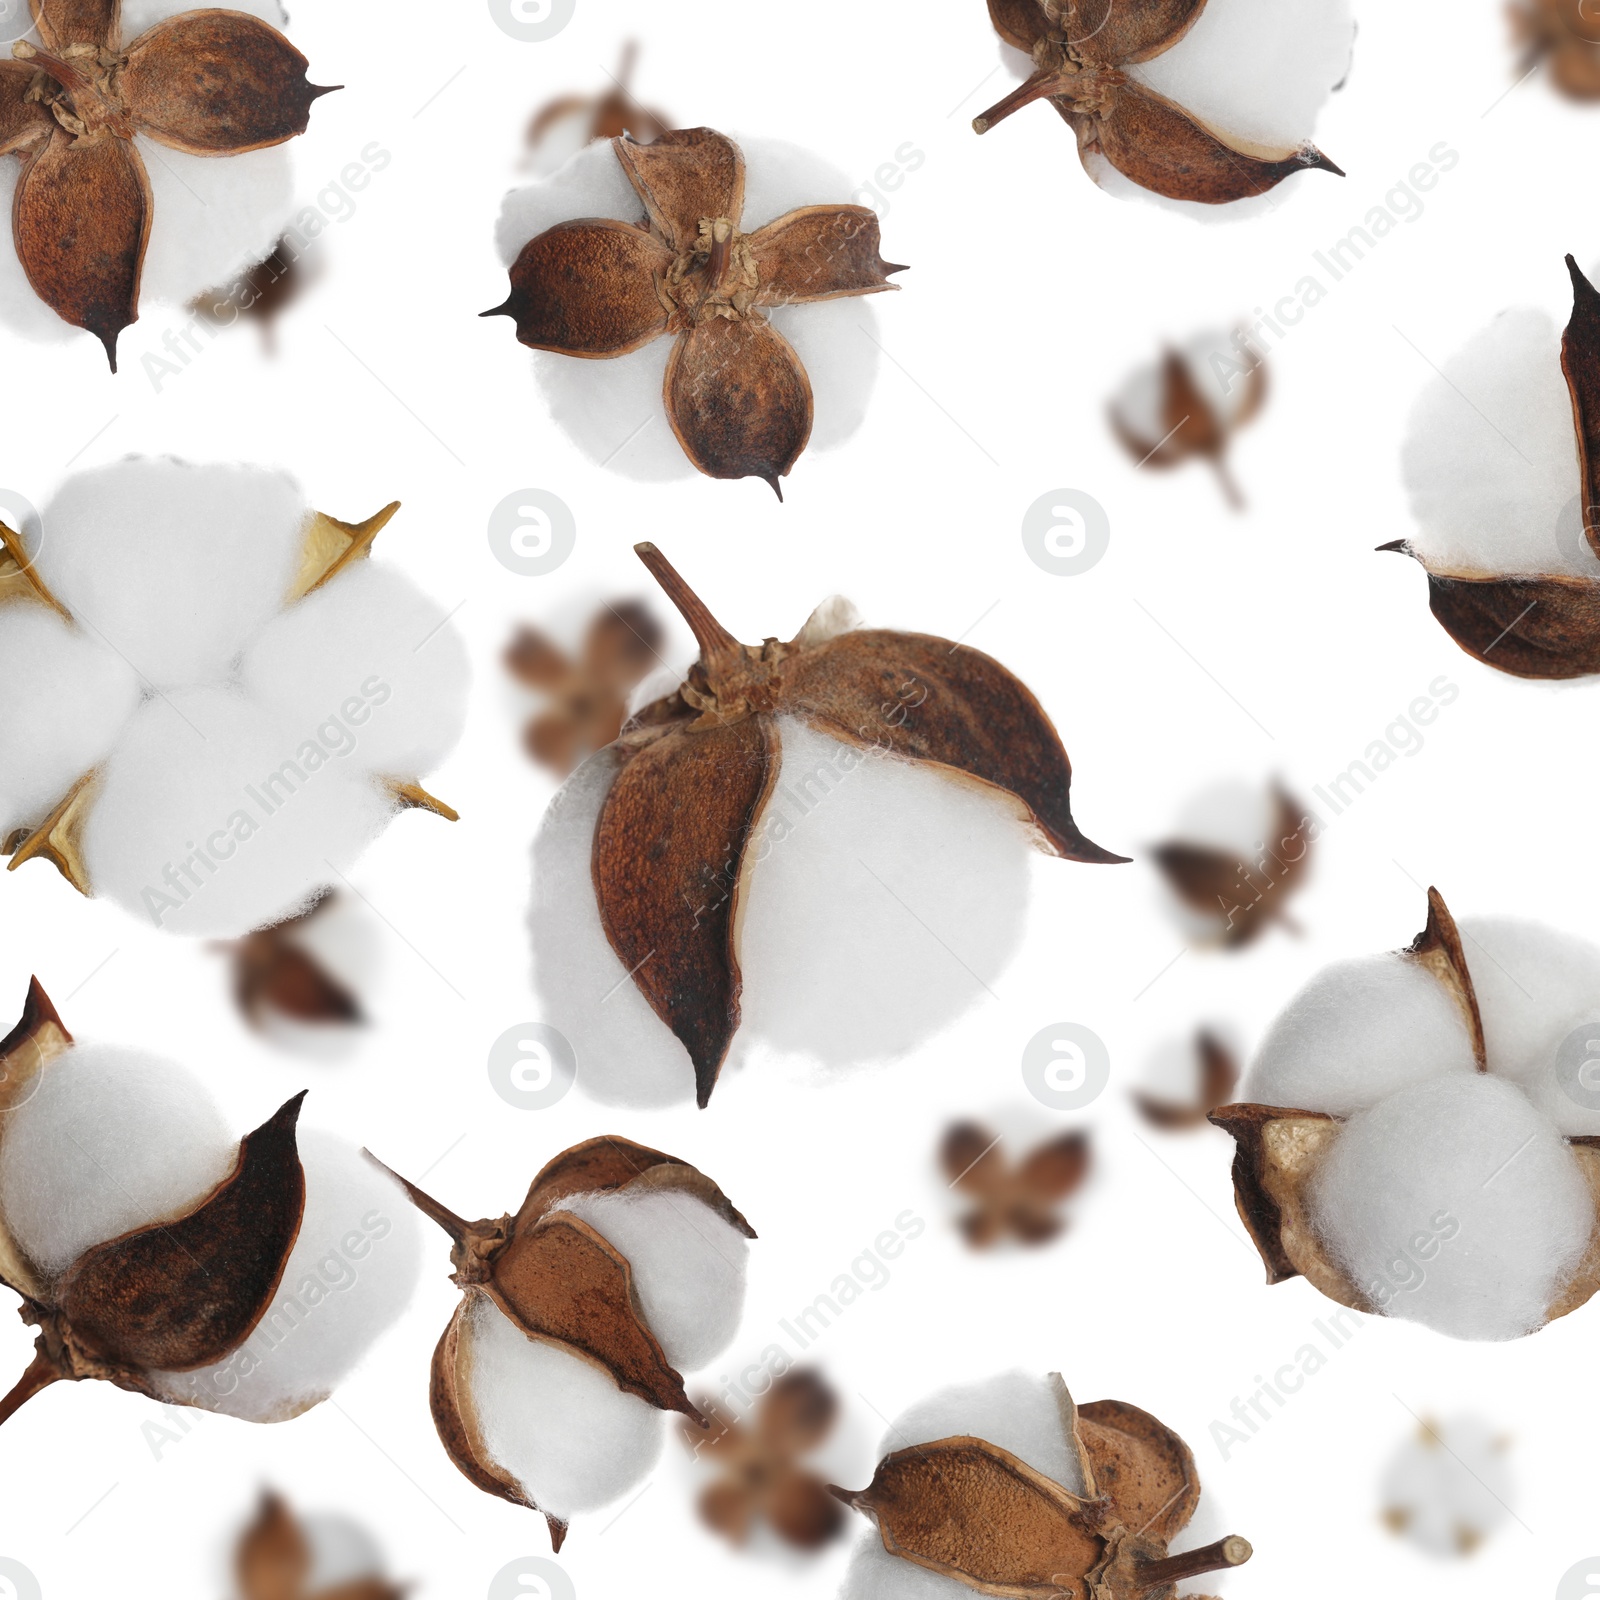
x=926 y=699
x=820 y=253
x=68 y=22
x=18 y=578
x=273 y=1558
x=969 y=1510
x=588 y=288
x=1580 y=361
x=1145 y=1469
x=1438 y=948
x=329 y=546
x=24 y=120
x=59 y=838
x=215 y=82
x=668 y=851
x=683 y=178
x=81 y=220
x=739 y=399
x=183 y=1294
x=413 y=797
x=606 y=1164
x=1157 y=144
x=562 y=1282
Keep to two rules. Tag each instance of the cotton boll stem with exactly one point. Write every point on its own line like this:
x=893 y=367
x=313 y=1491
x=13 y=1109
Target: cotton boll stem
x=1230 y=1552
x=41 y=1373
x=1039 y=87
x=719 y=649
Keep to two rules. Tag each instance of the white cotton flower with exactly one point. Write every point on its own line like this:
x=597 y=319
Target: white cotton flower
x=227 y=741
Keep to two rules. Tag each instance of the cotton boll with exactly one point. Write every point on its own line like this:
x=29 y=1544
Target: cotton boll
x=1257 y=71
x=688 y=1267
x=1454 y=1203
x=612 y=408
x=558 y=1424
x=354 y=1267
x=67 y=698
x=1491 y=458
x=173 y=566
x=372 y=639
x=879 y=898
x=213 y=819
x=1450 y=1487
x=342 y=1552
x=1359 y=1030
x=626 y=1054
x=110 y=1140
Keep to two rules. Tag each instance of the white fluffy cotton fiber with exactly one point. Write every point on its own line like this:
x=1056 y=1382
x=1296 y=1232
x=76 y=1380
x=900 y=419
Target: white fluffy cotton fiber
x=1456 y=1204
x=1360 y=1030
x=241 y=743
x=354 y=1267
x=555 y=1422
x=212 y=216
x=1491 y=458
x=110 y=1140
x=879 y=899
x=612 y=409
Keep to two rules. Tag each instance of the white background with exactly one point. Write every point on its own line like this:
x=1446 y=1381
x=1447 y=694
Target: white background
x=1204 y=645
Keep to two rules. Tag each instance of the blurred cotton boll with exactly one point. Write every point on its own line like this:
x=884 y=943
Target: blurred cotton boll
x=1449 y=1487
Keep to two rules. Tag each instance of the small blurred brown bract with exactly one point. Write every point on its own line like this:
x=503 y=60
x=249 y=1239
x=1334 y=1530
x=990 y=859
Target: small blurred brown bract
x=1021 y=1201
x=586 y=700
x=603 y=116
x=1559 y=32
x=1242 y=898
x=1187 y=421
x=274 y=1561
x=1218 y=1077
x=276 y=976
x=261 y=294
x=762 y=1478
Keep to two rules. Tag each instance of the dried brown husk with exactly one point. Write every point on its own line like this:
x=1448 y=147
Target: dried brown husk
x=971 y=1511
x=1280 y=1149
x=695 y=770
x=177 y=1294
x=1219 y=1077
x=1192 y=427
x=1019 y=1200
x=262 y=293
x=736 y=393
x=1559 y=35
x=277 y=976
x=273 y=1561
x=586 y=696
x=610 y=115
x=209 y=82
x=558 y=1281
x=329 y=546
x=762 y=1476
x=1079 y=50
x=1538 y=626
x=1217 y=884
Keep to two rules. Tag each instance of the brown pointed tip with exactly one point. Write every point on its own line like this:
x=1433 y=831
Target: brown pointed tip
x=1399 y=546
x=1321 y=163
x=558 y=1532
x=776 y=487
x=1580 y=281
x=502 y=310
x=891 y=267
x=319 y=89
x=109 y=340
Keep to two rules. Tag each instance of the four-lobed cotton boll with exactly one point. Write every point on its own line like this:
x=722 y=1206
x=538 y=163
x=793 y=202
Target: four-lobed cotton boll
x=232 y=741
x=1503 y=497
x=1449 y=1487
x=612 y=408
x=878 y=898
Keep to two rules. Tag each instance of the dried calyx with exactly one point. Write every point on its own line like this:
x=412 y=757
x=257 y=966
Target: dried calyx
x=605 y=116
x=968 y=1510
x=1080 y=50
x=736 y=393
x=560 y=1282
x=175 y=1295
x=1216 y=1078
x=276 y=975
x=1019 y=1200
x=209 y=82
x=698 y=767
x=275 y=1560
x=1539 y=625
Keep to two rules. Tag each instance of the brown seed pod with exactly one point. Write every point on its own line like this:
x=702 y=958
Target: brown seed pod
x=175 y=1295
x=1020 y=1200
x=275 y=975
x=698 y=767
x=1538 y=626
x=262 y=293
x=1242 y=899
x=586 y=696
x=558 y=1281
x=1218 y=1078
x=1281 y=1149
x=209 y=82
x=1195 y=414
x=604 y=116
x=1566 y=35
x=736 y=393
x=971 y=1511
x=1080 y=48
x=763 y=1478
x=274 y=1561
